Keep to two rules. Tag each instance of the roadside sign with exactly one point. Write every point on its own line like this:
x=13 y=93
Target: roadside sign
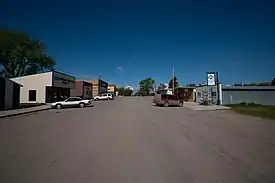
x=211 y=79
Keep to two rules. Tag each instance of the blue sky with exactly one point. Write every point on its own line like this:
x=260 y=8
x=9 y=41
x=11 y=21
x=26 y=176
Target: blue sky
x=126 y=41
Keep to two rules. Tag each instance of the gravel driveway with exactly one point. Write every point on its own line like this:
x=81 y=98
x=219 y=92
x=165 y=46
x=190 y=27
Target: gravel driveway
x=130 y=141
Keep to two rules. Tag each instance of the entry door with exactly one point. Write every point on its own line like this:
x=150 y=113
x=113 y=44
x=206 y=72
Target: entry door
x=16 y=96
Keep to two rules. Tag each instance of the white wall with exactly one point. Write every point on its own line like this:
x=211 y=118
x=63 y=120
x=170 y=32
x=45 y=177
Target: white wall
x=8 y=94
x=36 y=82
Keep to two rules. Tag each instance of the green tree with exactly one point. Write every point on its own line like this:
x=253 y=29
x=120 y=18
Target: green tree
x=22 y=55
x=120 y=91
x=128 y=92
x=176 y=83
x=161 y=87
x=273 y=82
x=264 y=84
x=146 y=86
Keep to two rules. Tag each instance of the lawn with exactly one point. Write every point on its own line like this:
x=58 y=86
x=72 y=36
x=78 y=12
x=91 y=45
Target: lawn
x=255 y=110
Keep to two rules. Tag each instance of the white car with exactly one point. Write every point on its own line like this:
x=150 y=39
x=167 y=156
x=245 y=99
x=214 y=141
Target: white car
x=104 y=96
x=71 y=102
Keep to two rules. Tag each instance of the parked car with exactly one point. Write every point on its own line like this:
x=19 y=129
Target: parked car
x=72 y=102
x=104 y=96
x=167 y=100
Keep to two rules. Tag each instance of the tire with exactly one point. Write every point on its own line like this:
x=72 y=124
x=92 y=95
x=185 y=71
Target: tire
x=108 y=98
x=166 y=104
x=81 y=105
x=180 y=104
x=96 y=99
x=59 y=106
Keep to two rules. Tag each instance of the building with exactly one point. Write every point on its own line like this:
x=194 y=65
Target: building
x=9 y=94
x=264 y=95
x=187 y=93
x=112 y=89
x=99 y=86
x=45 y=87
x=82 y=89
x=207 y=94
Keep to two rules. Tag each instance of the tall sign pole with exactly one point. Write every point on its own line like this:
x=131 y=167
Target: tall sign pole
x=213 y=80
x=218 y=89
x=173 y=82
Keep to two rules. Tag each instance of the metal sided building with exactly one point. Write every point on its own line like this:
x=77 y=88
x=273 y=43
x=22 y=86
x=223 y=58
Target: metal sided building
x=264 y=95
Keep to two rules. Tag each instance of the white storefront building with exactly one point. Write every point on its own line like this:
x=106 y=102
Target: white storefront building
x=45 y=87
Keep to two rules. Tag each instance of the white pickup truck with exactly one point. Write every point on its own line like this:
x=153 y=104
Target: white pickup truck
x=71 y=102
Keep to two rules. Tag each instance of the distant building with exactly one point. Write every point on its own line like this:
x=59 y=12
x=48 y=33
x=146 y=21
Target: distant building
x=112 y=89
x=99 y=87
x=82 y=89
x=264 y=95
x=187 y=93
x=9 y=94
x=45 y=87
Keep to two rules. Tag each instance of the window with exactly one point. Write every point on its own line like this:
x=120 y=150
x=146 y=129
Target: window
x=172 y=97
x=199 y=94
x=73 y=99
x=32 y=95
x=214 y=94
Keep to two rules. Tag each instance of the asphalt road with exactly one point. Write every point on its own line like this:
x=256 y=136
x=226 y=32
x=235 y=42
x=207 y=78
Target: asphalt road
x=130 y=141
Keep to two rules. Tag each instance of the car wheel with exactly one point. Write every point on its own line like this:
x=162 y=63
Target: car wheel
x=166 y=104
x=108 y=98
x=82 y=105
x=58 y=106
x=96 y=99
x=180 y=104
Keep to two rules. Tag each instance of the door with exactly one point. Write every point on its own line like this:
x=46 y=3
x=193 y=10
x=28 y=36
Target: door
x=16 y=96
x=104 y=96
x=76 y=102
x=110 y=96
x=71 y=102
x=173 y=100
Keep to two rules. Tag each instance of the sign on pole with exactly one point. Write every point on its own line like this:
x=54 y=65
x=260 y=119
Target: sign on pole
x=211 y=79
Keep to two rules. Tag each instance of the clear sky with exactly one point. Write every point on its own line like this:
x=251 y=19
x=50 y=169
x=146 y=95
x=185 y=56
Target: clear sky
x=128 y=40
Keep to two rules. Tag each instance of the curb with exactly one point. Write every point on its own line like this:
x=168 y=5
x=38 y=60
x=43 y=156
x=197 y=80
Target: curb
x=26 y=112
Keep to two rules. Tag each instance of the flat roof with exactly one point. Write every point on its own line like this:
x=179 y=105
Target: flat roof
x=96 y=81
x=44 y=73
x=248 y=88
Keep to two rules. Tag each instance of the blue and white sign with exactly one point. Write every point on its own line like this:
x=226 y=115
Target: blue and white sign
x=211 y=79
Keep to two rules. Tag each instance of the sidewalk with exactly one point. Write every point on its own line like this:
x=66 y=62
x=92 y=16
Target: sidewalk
x=197 y=107
x=15 y=112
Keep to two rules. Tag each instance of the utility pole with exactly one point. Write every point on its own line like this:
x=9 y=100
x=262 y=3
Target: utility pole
x=218 y=88
x=173 y=81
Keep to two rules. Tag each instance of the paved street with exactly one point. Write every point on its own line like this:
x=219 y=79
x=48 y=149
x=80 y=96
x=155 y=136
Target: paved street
x=130 y=141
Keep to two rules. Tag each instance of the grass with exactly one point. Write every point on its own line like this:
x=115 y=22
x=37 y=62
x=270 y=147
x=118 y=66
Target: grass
x=254 y=110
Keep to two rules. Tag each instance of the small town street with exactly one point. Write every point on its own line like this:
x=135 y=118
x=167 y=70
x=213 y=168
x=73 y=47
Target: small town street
x=129 y=140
